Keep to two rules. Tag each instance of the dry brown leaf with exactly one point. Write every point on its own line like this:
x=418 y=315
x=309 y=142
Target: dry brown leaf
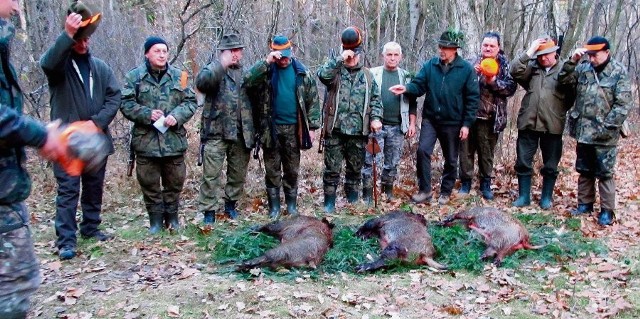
x=452 y=310
x=173 y=311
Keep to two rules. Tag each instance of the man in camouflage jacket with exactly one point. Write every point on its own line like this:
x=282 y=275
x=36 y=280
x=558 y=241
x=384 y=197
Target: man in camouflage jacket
x=153 y=91
x=227 y=129
x=354 y=107
x=491 y=118
x=289 y=115
x=19 y=268
x=603 y=101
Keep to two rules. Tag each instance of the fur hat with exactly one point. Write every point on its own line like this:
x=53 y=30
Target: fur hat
x=90 y=19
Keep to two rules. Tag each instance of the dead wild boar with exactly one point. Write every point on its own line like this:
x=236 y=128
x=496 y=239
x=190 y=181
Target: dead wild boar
x=403 y=236
x=304 y=241
x=502 y=233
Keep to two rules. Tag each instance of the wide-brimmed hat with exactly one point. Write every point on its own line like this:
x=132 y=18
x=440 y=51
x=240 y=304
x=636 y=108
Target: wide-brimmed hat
x=547 y=47
x=230 y=41
x=596 y=44
x=451 y=39
x=281 y=43
x=351 y=39
x=90 y=19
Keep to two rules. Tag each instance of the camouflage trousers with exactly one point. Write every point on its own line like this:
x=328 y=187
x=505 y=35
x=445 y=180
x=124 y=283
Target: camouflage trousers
x=596 y=162
x=390 y=139
x=211 y=196
x=482 y=141
x=161 y=180
x=19 y=271
x=282 y=162
x=339 y=148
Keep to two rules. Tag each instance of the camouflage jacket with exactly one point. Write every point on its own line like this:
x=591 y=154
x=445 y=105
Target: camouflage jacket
x=603 y=101
x=545 y=103
x=357 y=101
x=142 y=94
x=259 y=78
x=16 y=131
x=493 y=96
x=228 y=109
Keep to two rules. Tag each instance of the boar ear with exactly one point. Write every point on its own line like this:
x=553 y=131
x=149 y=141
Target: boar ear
x=326 y=221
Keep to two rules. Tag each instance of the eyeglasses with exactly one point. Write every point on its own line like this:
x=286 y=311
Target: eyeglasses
x=90 y=20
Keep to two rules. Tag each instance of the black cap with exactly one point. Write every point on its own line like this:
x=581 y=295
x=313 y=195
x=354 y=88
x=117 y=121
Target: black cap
x=153 y=40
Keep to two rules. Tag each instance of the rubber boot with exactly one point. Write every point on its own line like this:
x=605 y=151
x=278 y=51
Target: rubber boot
x=291 y=198
x=330 y=203
x=546 y=198
x=605 y=218
x=155 y=223
x=230 y=209
x=524 y=191
x=171 y=221
x=209 y=217
x=273 y=198
x=388 y=191
x=13 y=315
x=582 y=209
x=465 y=187
x=352 y=196
x=485 y=188
x=367 y=195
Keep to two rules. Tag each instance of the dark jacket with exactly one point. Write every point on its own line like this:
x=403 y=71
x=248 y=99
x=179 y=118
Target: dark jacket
x=227 y=105
x=544 y=106
x=69 y=100
x=493 y=97
x=261 y=79
x=142 y=94
x=451 y=97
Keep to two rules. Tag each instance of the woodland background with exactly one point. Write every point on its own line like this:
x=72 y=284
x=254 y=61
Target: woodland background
x=585 y=271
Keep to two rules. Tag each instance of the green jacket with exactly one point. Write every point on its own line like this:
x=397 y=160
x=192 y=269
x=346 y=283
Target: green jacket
x=603 y=101
x=544 y=106
x=451 y=98
x=259 y=79
x=228 y=109
x=357 y=99
x=141 y=95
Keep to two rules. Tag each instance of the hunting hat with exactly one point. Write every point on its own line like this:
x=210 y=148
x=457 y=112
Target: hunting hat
x=153 y=40
x=547 y=47
x=281 y=43
x=351 y=39
x=451 y=39
x=596 y=44
x=90 y=19
x=230 y=41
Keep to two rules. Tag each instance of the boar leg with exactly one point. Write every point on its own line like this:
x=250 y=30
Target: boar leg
x=488 y=253
x=389 y=253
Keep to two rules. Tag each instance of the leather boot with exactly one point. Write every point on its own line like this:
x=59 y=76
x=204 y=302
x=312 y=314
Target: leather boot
x=605 y=217
x=209 y=217
x=388 y=191
x=367 y=195
x=329 y=203
x=155 y=223
x=291 y=198
x=273 y=198
x=546 y=198
x=524 y=191
x=352 y=195
x=230 y=209
x=465 y=187
x=485 y=188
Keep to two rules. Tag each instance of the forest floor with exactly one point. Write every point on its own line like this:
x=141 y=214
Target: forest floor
x=176 y=276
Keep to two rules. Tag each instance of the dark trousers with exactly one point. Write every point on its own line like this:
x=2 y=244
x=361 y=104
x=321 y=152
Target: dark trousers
x=282 y=162
x=482 y=141
x=596 y=162
x=67 y=204
x=339 y=148
x=526 y=147
x=448 y=136
x=161 y=180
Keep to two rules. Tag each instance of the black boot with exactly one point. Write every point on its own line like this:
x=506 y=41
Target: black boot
x=13 y=315
x=546 y=198
x=273 y=198
x=209 y=217
x=485 y=188
x=367 y=195
x=524 y=191
x=465 y=187
x=291 y=198
x=352 y=195
x=605 y=217
x=155 y=223
x=230 y=209
x=171 y=221
x=582 y=209
x=330 y=203
x=388 y=191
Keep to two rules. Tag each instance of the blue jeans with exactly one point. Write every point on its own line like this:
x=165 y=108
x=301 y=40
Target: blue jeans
x=391 y=140
x=448 y=136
